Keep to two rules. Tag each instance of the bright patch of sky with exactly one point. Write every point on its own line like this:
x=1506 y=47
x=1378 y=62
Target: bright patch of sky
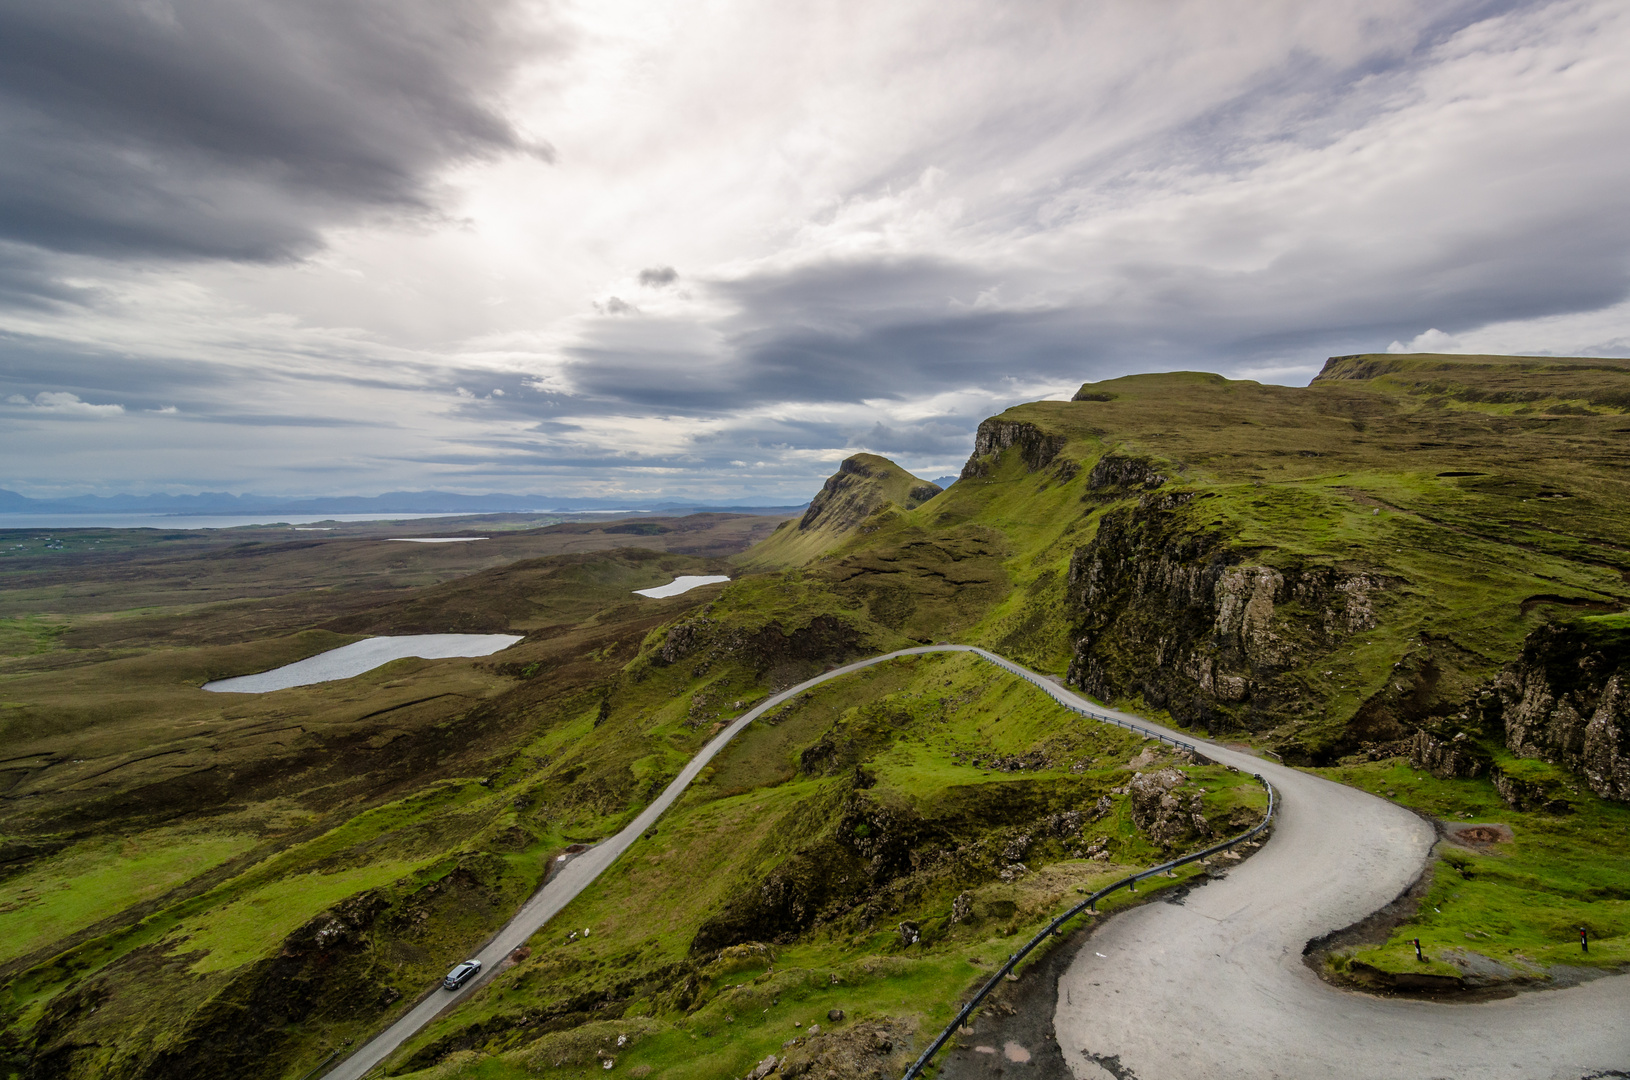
x=644 y=250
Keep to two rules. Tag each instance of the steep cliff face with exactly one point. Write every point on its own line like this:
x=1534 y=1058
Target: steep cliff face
x=1037 y=448
x=1171 y=611
x=1566 y=700
x=1116 y=476
x=1447 y=757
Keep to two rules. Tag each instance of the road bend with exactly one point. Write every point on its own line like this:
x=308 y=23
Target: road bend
x=1216 y=987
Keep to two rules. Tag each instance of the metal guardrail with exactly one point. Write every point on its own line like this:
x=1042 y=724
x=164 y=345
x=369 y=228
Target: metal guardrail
x=1150 y=733
x=1089 y=904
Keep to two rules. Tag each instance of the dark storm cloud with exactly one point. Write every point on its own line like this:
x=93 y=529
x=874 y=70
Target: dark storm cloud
x=233 y=129
x=1018 y=204
x=849 y=331
x=29 y=279
x=939 y=438
x=197 y=391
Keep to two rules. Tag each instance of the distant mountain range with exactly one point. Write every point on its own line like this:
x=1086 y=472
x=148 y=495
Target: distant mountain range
x=394 y=502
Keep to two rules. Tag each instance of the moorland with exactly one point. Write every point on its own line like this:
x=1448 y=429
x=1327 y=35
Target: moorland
x=1409 y=575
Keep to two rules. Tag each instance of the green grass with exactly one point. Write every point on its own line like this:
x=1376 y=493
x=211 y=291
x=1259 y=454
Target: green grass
x=29 y=635
x=1522 y=902
x=1475 y=500
x=254 y=925
x=915 y=726
x=866 y=490
x=749 y=1012
x=98 y=878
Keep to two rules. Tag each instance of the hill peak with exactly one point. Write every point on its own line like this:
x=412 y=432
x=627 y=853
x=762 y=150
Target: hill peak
x=863 y=485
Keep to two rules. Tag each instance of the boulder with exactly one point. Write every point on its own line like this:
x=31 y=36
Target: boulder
x=1165 y=815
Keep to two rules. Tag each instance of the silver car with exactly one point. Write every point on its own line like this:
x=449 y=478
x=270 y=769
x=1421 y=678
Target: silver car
x=461 y=975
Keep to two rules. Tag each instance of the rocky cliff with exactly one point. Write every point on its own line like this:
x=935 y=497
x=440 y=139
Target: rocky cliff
x=860 y=487
x=864 y=487
x=1037 y=448
x=1566 y=700
x=1170 y=610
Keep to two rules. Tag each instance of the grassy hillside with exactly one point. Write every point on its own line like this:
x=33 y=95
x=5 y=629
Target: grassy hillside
x=172 y=861
x=873 y=858
x=1323 y=566
x=864 y=491
x=199 y=885
x=1321 y=570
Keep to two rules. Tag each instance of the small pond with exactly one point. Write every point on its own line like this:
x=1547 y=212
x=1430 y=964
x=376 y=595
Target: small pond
x=359 y=656
x=680 y=585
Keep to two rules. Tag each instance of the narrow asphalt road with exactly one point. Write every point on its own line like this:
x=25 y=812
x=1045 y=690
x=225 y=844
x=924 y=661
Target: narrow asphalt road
x=581 y=871
x=1215 y=988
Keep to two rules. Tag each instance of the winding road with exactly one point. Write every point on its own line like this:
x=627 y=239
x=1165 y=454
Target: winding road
x=1216 y=987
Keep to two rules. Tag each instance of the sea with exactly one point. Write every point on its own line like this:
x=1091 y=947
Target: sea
x=173 y=522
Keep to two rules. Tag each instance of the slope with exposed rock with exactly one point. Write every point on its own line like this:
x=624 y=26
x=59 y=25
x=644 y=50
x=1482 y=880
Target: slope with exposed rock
x=864 y=486
x=1395 y=562
x=1332 y=567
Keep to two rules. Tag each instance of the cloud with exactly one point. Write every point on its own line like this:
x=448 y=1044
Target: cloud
x=237 y=130
x=56 y=401
x=1432 y=341
x=895 y=220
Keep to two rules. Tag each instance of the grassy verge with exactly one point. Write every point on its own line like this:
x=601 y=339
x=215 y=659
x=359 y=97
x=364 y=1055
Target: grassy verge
x=1517 y=904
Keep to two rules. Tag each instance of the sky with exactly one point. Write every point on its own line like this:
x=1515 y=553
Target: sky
x=708 y=250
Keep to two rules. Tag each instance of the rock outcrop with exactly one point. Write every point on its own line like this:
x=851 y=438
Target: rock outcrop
x=865 y=493
x=1166 y=815
x=1172 y=611
x=1455 y=757
x=1566 y=700
x=1037 y=448
x=1528 y=795
x=1115 y=476
x=825 y=639
x=870 y=1050
x=862 y=485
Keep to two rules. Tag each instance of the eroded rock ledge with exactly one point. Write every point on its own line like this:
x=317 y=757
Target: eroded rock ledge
x=1176 y=614
x=1036 y=447
x=1566 y=700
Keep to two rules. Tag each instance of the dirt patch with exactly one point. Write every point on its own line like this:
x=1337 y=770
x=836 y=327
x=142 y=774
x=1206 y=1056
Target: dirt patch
x=1479 y=836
